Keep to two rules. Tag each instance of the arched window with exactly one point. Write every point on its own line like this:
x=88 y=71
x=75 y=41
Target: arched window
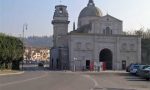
x=107 y=31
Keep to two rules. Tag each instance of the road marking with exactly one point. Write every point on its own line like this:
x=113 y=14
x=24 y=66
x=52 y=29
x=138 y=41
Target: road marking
x=17 y=73
x=22 y=81
x=93 y=80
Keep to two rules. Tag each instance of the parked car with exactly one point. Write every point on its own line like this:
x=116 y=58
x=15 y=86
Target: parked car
x=134 y=68
x=146 y=73
x=130 y=67
x=142 y=67
x=41 y=64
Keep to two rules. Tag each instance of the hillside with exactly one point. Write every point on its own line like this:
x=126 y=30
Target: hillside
x=39 y=42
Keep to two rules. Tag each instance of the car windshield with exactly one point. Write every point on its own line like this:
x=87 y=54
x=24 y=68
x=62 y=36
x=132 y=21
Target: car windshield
x=136 y=67
x=147 y=68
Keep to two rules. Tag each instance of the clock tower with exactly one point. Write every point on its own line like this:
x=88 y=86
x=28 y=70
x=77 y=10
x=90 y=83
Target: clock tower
x=60 y=26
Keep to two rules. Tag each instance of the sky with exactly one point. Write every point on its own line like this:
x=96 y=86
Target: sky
x=38 y=14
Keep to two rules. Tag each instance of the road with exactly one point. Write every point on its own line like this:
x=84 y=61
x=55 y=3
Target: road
x=60 y=80
x=119 y=81
x=45 y=81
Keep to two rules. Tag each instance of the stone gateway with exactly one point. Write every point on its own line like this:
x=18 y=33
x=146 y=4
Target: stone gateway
x=98 y=38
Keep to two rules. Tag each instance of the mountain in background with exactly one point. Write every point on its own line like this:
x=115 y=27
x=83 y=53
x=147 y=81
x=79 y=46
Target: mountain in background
x=39 y=42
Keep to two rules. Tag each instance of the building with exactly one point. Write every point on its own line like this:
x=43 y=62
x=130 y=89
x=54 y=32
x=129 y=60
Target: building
x=98 y=38
x=36 y=54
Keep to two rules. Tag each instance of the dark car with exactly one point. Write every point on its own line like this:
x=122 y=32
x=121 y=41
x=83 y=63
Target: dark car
x=134 y=69
x=146 y=73
x=142 y=67
x=41 y=64
x=130 y=67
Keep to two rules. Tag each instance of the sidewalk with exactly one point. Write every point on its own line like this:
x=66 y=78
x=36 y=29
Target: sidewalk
x=107 y=72
x=98 y=72
x=10 y=72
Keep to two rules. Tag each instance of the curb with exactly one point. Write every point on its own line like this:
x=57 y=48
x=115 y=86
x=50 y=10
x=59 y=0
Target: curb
x=101 y=72
x=17 y=73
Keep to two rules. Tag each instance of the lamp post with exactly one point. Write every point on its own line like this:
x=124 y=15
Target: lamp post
x=74 y=64
x=23 y=36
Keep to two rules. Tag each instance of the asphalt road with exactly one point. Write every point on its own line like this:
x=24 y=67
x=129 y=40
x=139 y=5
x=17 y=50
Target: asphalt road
x=45 y=81
x=41 y=79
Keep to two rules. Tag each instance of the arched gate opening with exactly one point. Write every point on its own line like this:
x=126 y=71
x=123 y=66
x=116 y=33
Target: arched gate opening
x=106 y=57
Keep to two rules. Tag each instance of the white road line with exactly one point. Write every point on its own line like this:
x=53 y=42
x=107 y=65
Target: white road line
x=12 y=73
x=93 y=80
x=22 y=81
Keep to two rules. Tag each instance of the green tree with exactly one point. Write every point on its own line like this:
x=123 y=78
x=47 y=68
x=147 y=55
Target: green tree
x=11 y=52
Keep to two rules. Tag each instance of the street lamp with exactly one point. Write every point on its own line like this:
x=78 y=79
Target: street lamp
x=74 y=64
x=25 y=27
x=23 y=36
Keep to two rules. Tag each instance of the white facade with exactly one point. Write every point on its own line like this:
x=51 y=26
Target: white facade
x=100 y=39
x=88 y=47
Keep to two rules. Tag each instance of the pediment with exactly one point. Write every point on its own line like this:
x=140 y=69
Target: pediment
x=110 y=18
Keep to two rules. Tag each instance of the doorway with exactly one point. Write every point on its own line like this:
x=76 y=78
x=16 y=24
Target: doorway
x=123 y=64
x=87 y=64
x=106 y=57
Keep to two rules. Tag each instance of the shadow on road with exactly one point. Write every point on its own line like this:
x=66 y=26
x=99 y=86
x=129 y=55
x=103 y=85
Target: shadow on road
x=34 y=67
x=112 y=89
x=124 y=74
x=131 y=77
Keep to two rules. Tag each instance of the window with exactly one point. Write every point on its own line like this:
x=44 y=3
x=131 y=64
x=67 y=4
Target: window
x=124 y=46
x=107 y=31
x=88 y=46
x=132 y=46
x=78 y=45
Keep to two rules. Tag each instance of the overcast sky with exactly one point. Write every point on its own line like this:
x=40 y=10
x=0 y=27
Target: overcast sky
x=39 y=13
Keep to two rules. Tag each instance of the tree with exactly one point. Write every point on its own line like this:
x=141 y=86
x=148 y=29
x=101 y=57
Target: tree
x=11 y=52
